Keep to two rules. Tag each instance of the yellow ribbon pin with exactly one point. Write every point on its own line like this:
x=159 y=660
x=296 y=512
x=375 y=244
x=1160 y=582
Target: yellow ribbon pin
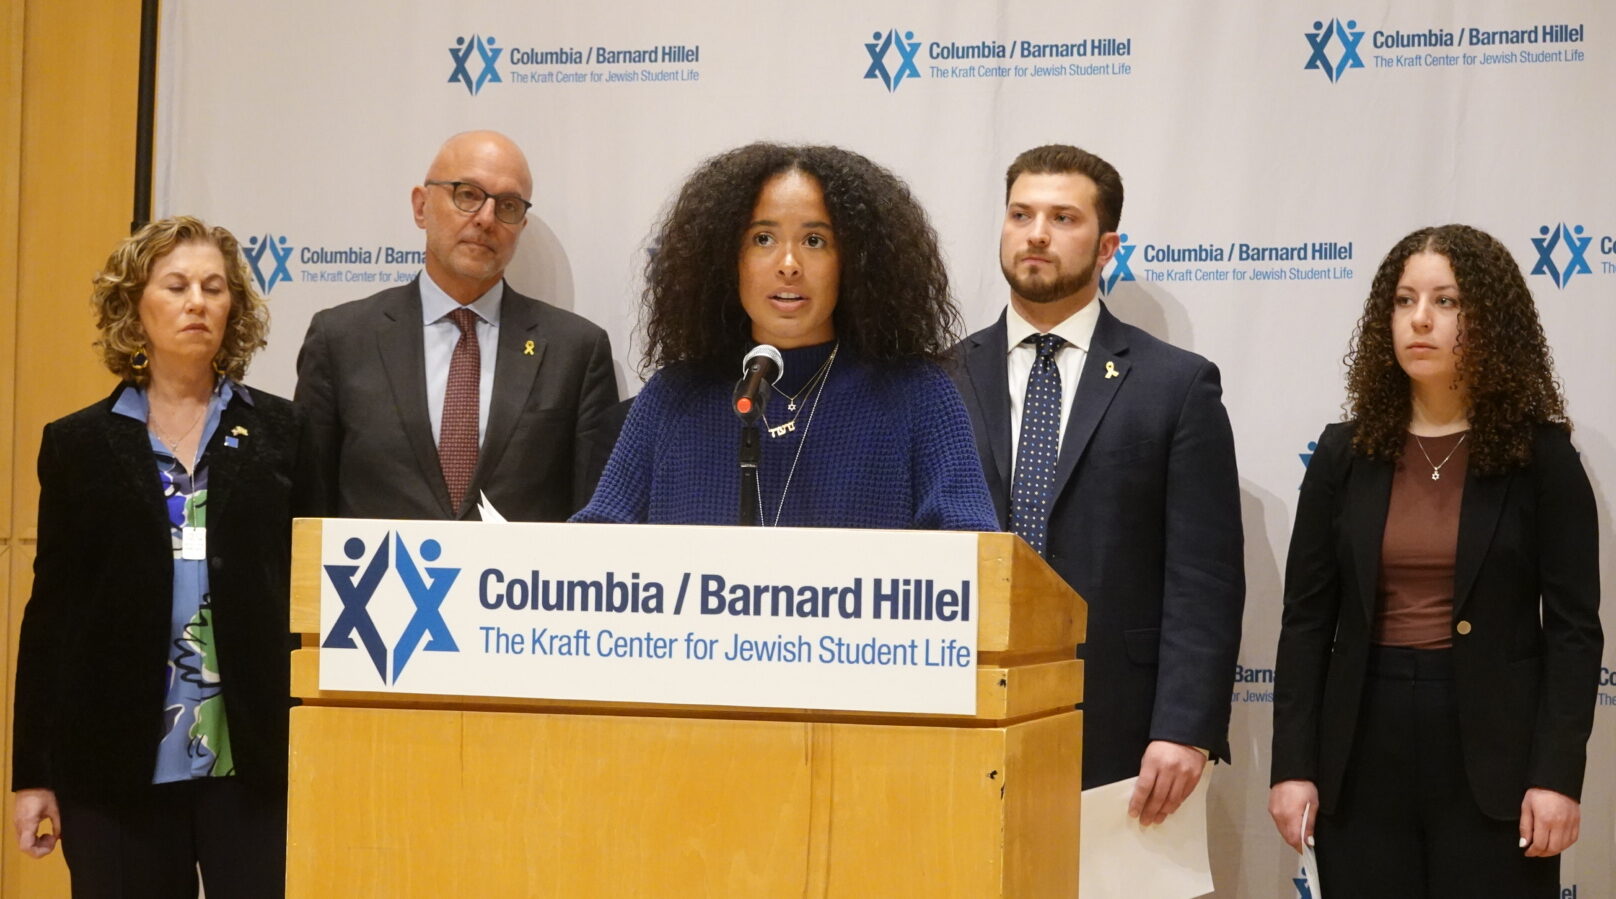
x=527 y=348
x=238 y=431
x=1111 y=371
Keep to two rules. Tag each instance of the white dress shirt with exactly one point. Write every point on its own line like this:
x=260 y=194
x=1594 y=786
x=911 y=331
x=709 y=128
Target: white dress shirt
x=1078 y=329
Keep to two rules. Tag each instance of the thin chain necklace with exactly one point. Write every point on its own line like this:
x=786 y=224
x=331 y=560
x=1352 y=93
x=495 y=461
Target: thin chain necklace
x=791 y=405
x=808 y=385
x=800 y=444
x=1436 y=467
x=174 y=445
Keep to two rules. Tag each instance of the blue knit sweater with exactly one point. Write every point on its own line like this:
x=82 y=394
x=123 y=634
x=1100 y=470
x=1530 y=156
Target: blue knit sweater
x=887 y=446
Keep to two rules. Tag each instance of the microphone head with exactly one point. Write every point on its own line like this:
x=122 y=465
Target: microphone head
x=764 y=351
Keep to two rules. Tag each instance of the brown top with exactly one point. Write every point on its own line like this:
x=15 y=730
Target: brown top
x=1415 y=593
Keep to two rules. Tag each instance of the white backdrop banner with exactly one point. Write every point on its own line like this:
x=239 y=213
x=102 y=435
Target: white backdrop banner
x=1273 y=152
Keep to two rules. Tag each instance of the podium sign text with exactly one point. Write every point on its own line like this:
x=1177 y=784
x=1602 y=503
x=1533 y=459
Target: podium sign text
x=796 y=618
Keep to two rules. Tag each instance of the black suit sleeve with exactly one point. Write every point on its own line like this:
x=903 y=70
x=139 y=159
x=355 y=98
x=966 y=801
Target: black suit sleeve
x=1204 y=583
x=316 y=400
x=1312 y=604
x=54 y=571
x=1568 y=571
x=597 y=395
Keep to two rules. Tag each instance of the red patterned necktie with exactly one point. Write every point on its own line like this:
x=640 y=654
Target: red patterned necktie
x=457 y=435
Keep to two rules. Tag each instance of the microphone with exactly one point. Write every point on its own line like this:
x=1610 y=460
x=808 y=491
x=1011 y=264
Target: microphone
x=759 y=370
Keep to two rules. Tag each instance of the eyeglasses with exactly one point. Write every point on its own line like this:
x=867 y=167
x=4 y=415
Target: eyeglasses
x=470 y=198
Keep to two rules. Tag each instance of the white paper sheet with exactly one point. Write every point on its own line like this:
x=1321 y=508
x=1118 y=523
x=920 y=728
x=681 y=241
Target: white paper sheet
x=486 y=510
x=1119 y=859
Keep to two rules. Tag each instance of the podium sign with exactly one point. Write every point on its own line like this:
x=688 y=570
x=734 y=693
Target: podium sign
x=787 y=618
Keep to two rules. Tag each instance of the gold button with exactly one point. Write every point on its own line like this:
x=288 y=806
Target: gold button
x=1463 y=628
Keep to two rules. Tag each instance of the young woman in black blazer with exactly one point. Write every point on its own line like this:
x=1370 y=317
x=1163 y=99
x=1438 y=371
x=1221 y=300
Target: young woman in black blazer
x=151 y=704
x=1441 y=643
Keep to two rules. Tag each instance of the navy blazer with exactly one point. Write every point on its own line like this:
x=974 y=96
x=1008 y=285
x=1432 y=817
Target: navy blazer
x=1526 y=585
x=361 y=383
x=92 y=658
x=1145 y=527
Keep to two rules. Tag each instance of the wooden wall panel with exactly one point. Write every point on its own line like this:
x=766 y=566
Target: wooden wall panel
x=68 y=74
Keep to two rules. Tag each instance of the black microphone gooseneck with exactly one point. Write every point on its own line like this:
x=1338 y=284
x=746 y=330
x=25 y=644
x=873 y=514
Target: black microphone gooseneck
x=759 y=370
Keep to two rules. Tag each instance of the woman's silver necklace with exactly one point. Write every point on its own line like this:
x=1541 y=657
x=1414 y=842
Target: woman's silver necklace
x=1436 y=467
x=174 y=445
x=812 y=407
x=785 y=428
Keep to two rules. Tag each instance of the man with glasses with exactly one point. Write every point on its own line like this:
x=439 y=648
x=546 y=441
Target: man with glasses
x=424 y=397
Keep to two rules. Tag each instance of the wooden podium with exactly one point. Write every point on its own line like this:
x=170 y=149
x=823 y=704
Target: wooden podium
x=427 y=795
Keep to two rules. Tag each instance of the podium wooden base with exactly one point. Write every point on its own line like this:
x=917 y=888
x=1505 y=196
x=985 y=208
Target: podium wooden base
x=401 y=802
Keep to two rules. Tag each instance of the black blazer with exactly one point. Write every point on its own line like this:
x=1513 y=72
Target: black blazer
x=1526 y=589
x=1145 y=526
x=361 y=383
x=92 y=656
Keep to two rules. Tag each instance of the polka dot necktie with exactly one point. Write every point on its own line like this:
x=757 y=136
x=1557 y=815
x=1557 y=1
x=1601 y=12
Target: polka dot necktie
x=1034 y=487
x=457 y=432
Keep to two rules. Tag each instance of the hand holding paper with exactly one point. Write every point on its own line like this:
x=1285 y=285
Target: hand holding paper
x=1289 y=804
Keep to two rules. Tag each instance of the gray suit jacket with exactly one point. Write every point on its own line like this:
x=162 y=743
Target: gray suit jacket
x=361 y=383
x=1145 y=525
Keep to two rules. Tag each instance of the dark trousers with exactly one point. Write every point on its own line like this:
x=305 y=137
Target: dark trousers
x=150 y=844
x=1407 y=825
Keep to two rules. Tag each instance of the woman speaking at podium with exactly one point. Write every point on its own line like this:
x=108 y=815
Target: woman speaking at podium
x=151 y=704
x=1440 y=648
x=825 y=256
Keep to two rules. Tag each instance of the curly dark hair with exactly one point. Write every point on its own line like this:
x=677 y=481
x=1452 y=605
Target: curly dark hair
x=1504 y=361
x=893 y=300
x=120 y=283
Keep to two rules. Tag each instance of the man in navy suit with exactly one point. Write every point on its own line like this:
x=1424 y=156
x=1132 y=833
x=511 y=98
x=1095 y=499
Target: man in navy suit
x=1111 y=452
x=427 y=396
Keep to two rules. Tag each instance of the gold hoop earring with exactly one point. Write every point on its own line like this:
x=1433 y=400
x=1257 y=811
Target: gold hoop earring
x=139 y=361
x=218 y=370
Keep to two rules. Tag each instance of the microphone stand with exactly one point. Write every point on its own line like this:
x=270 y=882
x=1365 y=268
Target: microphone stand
x=761 y=367
x=751 y=454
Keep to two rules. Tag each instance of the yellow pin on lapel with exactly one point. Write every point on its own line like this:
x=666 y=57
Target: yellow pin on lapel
x=1111 y=371
x=527 y=348
x=238 y=431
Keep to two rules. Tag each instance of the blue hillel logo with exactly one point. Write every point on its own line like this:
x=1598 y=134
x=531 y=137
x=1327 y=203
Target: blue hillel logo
x=1345 y=37
x=426 y=595
x=881 y=48
x=470 y=53
x=1548 y=253
x=1307 y=458
x=279 y=253
x=1303 y=891
x=1119 y=269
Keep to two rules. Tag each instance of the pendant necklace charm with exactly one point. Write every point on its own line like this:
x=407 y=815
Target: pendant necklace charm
x=1436 y=467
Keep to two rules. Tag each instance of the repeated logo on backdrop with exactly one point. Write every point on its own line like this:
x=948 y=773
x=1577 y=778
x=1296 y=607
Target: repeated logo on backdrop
x=272 y=256
x=268 y=257
x=476 y=64
x=897 y=56
x=477 y=55
x=1118 y=269
x=901 y=48
x=1235 y=260
x=1562 y=253
x=1337 y=46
